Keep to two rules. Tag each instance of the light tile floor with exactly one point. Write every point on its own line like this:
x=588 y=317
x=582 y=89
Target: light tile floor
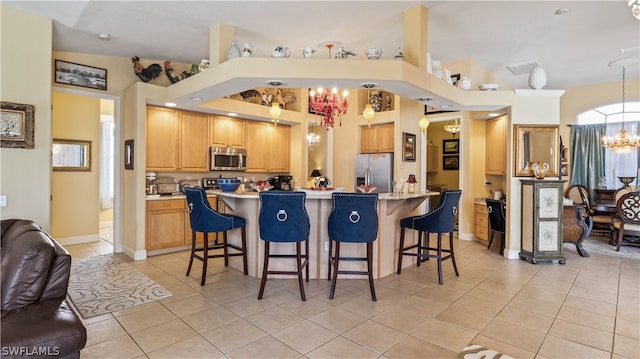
x=587 y=308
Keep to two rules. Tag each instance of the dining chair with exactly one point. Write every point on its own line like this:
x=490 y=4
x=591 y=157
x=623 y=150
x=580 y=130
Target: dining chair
x=497 y=221
x=440 y=220
x=283 y=218
x=353 y=219
x=203 y=218
x=628 y=209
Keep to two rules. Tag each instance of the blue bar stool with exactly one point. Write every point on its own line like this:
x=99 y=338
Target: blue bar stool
x=353 y=219
x=440 y=220
x=283 y=218
x=205 y=219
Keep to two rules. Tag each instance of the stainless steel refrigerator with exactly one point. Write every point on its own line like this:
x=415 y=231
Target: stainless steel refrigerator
x=376 y=169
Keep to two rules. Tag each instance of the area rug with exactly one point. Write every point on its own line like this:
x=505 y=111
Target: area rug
x=104 y=284
x=596 y=244
x=475 y=351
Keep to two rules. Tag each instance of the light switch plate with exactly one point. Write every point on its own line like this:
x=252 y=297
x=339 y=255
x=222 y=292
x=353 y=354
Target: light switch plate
x=3 y=201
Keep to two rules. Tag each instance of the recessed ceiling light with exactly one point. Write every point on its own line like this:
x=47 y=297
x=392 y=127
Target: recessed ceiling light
x=170 y=104
x=424 y=99
x=195 y=98
x=104 y=36
x=232 y=114
x=369 y=85
x=494 y=114
x=445 y=106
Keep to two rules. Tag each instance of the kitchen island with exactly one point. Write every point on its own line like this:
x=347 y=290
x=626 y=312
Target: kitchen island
x=391 y=208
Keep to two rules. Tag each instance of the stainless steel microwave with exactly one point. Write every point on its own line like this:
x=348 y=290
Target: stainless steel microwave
x=228 y=159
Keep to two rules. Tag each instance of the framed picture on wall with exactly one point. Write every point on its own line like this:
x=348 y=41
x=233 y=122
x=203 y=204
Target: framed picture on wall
x=450 y=146
x=450 y=163
x=16 y=125
x=70 y=73
x=408 y=146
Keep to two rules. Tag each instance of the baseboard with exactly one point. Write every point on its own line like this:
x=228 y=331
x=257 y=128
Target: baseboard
x=133 y=254
x=78 y=240
x=466 y=236
x=512 y=253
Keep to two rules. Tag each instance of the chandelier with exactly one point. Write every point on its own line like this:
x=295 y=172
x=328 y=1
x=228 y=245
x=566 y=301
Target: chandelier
x=453 y=127
x=622 y=142
x=635 y=8
x=327 y=104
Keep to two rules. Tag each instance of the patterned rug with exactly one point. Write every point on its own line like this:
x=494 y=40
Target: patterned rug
x=475 y=351
x=104 y=284
x=600 y=245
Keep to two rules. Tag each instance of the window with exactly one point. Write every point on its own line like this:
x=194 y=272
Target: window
x=616 y=165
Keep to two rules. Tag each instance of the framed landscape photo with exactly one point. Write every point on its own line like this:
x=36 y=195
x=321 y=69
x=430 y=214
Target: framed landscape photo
x=408 y=146
x=450 y=146
x=450 y=163
x=70 y=73
x=16 y=125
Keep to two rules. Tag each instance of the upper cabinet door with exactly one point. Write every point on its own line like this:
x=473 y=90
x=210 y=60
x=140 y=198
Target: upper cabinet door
x=194 y=144
x=162 y=139
x=228 y=132
x=496 y=147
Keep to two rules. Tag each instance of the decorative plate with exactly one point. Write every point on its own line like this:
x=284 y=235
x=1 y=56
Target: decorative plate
x=489 y=87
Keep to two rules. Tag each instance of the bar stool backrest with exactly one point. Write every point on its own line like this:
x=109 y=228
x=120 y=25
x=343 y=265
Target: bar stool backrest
x=496 y=214
x=441 y=219
x=354 y=217
x=283 y=217
x=202 y=217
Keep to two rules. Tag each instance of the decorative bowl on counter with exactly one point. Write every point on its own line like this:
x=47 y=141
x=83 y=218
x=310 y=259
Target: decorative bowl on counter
x=228 y=185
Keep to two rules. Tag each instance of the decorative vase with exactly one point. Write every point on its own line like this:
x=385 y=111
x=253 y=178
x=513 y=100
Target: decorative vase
x=376 y=100
x=234 y=51
x=537 y=78
x=540 y=169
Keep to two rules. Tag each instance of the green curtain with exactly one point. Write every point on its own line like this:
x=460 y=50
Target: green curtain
x=587 y=155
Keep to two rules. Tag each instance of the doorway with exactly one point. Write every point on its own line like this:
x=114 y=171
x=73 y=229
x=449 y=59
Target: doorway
x=85 y=206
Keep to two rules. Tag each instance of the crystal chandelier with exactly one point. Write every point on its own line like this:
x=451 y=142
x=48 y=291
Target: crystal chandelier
x=327 y=104
x=453 y=127
x=622 y=142
x=635 y=8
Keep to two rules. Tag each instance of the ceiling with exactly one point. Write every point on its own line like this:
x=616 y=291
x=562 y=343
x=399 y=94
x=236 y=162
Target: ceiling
x=574 y=48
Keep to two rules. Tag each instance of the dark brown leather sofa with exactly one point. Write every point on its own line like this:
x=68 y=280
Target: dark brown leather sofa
x=37 y=321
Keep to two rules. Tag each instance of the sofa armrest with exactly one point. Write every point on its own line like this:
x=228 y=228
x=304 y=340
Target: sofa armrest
x=42 y=330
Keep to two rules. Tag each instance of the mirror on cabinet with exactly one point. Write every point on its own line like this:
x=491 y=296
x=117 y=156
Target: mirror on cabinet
x=535 y=143
x=71 y=155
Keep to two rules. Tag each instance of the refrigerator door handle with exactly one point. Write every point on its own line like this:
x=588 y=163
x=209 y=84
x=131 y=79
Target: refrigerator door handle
x=367 y=178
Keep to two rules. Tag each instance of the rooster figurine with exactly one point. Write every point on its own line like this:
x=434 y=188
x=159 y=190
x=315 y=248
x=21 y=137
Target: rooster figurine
x=172 y=75
x=148 y=74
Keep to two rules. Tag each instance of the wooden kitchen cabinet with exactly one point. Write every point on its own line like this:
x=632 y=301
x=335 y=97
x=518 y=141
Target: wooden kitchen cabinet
x=177 y=140
x=165 y=224
x=162 y=139
x=267 y=147
x=193 y=144
x=432 y=158
x=481 y=230
x=496 y=146
x=168 y=224
x=227 y=132
x=377 y=138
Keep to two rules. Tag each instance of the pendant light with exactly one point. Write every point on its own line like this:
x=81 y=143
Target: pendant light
x=623 y=142
x=423 y=123
x=275 y=111
x=368 y=111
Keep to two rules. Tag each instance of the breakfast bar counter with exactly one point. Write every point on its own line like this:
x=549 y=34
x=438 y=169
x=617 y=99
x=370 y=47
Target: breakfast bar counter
x=391 y=208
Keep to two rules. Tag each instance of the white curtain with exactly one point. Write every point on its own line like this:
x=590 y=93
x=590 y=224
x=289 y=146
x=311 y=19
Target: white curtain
x=620 y=165
x=106 y=165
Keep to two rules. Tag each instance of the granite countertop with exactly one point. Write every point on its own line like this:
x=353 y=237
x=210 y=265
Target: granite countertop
x=166 y=197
